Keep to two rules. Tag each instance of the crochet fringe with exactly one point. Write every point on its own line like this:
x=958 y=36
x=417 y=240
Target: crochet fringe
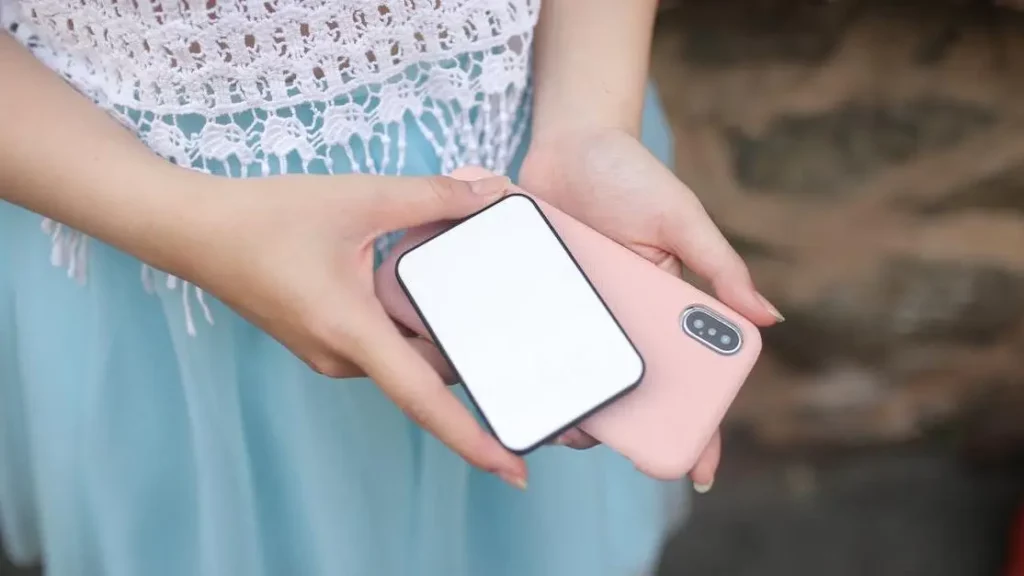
x=70 y=248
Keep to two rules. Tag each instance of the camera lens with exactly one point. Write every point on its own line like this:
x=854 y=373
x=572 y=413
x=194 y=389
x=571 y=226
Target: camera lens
x=711 y=330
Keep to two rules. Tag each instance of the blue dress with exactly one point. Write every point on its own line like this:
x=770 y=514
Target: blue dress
x=128 y=447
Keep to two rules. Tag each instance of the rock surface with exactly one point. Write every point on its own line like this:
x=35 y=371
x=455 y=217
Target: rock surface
x=868 y=161
x=901 y=510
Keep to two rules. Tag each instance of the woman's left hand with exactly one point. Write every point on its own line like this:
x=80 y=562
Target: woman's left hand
x=607 y=179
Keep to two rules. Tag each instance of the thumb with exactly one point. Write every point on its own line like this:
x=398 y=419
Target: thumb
x=408 y=202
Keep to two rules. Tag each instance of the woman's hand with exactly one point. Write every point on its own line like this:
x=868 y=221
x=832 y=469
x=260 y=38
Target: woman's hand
x=294 y=255
x=607 y=179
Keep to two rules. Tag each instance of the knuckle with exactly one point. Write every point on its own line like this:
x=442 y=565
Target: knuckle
x=330 y=331
x=418 y=410
x=326 y=365
x=731 y=268
x=335 y=345
x=423 y=405
x=477 y=450
x=442 y=188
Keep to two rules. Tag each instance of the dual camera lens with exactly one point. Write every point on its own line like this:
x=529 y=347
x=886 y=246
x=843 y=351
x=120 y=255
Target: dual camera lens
x=711 y=330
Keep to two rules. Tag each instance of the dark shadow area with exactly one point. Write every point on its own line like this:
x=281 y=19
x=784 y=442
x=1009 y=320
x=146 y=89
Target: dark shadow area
x=8 y=569
x=908 y=510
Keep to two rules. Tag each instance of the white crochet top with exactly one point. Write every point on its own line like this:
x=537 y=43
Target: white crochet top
x=248 y=85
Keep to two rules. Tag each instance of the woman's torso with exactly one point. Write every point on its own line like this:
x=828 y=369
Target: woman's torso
x=459 y=66
x=130 y=444
x=246 y=88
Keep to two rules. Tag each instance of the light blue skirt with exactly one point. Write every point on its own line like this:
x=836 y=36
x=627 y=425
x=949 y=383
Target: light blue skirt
x=129 y=448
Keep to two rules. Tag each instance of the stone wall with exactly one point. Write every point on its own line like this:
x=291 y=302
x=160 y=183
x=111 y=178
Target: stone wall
x=868 y=161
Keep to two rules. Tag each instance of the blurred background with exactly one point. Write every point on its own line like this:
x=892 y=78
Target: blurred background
x=867 y=158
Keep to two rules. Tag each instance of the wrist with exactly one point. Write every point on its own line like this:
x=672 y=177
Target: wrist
x=572 y=126
x=157 y=212
x=553 y=158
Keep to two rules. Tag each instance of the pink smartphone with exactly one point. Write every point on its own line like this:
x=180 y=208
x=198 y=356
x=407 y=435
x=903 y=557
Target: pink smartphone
x=696 y=350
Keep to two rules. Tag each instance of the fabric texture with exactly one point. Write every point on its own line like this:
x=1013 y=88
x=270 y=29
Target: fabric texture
x=255 y=87
x=147 y=429
x=129 y=447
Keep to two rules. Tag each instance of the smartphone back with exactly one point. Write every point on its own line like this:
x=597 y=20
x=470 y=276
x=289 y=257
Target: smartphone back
x=664 y=423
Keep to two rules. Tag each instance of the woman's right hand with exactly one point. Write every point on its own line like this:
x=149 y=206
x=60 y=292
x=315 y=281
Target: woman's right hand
x=294 y=255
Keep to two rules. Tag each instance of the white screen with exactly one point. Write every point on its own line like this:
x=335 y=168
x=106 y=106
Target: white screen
x=532 y=341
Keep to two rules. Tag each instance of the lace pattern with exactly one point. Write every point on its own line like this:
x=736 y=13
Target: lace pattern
x=257 y=87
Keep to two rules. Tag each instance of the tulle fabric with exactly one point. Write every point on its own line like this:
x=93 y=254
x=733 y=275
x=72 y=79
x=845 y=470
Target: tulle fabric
x=128 y=447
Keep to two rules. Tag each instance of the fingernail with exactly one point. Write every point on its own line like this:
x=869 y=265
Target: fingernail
x=489 y=186
x=772 y=309
x=514 y=480
x=703 y=488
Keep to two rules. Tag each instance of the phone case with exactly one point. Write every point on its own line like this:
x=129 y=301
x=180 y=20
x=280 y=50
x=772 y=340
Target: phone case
x=664 y=424
x=535 y=346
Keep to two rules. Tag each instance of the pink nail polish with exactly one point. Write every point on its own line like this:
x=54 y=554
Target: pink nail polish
x=771 y=309
x=515 y=481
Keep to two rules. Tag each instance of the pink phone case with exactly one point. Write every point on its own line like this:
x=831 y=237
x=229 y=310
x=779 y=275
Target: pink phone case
x=664 y=424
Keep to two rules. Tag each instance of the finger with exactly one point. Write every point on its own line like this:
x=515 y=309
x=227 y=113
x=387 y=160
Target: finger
x=576 y=439
x=341 y=368
x=433 y=356
x=690 y=233
x=471 y=173
x=672 y=265
x=404 y=202
x=703 y=473
x=408 y=379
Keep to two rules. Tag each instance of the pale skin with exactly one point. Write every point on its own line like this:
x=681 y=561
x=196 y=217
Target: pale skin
x=591 y=68
x=293 y=254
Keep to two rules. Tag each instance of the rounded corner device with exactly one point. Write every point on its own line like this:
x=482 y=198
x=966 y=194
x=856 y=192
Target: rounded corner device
x=519 y=197
x=536 y=347
x=399 y=261
x=663 y=423
x=711 y=329
x=427 y=233
x=641 y=369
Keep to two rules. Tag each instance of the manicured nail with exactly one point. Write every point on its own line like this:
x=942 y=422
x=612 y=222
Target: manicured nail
x=515 y=481
x=771 y=309
x=703 y=488
x=489 y=186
